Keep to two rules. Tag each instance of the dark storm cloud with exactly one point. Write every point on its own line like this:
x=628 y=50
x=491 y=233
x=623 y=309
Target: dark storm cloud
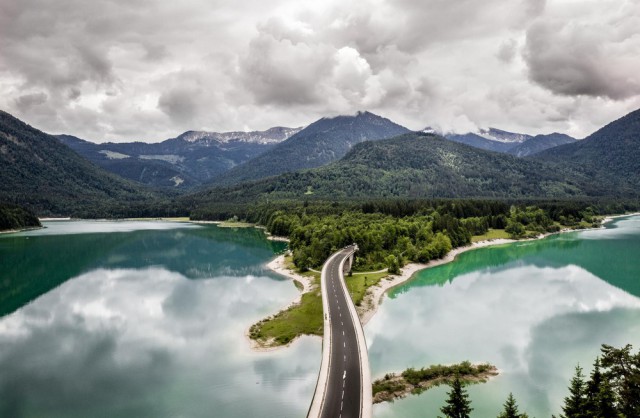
x=574 y=59
x=27 y=101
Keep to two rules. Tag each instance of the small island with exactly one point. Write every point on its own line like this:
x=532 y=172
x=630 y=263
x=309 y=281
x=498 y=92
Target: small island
x=411 y=381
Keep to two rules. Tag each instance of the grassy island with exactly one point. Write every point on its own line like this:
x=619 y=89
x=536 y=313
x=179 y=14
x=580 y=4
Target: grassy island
x=411 y=381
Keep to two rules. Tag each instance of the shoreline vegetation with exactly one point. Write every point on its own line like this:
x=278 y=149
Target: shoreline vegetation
x=16 y=219
x=264 y=334
x=413 y=382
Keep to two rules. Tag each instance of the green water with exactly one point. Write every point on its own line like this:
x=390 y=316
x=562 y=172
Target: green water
x=147 y=319
x=144 y=319
x=534 y=309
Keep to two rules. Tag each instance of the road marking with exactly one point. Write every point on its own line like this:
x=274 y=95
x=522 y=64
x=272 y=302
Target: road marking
x=345 y=344
x=343 y=333
x=342 y=323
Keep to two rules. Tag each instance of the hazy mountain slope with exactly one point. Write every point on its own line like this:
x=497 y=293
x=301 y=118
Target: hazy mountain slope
x=42 y=174
x=193 y=158
x=414 y=165
x=477 y=141
x=320 y=143
x=540 y=143
x=610 y=155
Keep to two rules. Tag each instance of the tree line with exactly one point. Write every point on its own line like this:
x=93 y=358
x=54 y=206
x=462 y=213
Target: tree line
x=391 y=233
x=611 y=391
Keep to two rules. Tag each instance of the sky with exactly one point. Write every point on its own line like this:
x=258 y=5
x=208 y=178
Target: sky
x=149 y=70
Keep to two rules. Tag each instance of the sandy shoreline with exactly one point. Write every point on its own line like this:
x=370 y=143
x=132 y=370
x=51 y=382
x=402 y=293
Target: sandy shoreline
x=375 y=294
x=278 y=265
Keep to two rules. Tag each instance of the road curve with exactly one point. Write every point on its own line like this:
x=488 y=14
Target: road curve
x=344 y=384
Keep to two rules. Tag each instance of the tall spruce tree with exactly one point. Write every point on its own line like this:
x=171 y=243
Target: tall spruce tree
x=574 y=404
x=458 y=405
x=599 y=396
x=511 y=409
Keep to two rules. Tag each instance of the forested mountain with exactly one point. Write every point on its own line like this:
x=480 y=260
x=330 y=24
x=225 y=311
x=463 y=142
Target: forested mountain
x=491 y=139
x=41 y=174
x=193 y=158
x=610 y=155
x=540 y=143
x=320 y=143
x=520 y=145
x=418 y=165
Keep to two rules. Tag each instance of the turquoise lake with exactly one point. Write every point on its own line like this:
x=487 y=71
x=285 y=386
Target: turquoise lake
x=148 y=319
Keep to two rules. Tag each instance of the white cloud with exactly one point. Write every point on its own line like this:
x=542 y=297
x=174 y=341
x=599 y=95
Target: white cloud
x=148 y=71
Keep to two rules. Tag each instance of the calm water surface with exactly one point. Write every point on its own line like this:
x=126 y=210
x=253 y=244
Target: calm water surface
x=534 y=309
x=147 y=319
x=144 y=319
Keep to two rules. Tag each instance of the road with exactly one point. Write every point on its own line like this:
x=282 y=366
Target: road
x=344 y=385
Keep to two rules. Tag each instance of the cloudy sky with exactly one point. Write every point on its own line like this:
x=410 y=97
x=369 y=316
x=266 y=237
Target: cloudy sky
x=148 y=70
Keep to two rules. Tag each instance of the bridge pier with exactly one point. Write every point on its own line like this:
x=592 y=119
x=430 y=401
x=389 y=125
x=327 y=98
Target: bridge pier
x=348 y=262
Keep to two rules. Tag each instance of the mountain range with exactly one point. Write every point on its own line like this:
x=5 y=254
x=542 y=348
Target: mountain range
x=358 y=156
x=520 y=145
x=41 y=173
x=191 y=159
x=320 y=143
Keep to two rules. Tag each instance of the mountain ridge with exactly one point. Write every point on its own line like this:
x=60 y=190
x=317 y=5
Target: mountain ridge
x=43 y=175
x=322 y=142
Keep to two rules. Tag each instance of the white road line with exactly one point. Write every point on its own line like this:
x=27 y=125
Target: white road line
x=345 y=344
x=343 y=333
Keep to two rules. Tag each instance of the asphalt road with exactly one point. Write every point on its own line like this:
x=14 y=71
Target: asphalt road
x=344 y=386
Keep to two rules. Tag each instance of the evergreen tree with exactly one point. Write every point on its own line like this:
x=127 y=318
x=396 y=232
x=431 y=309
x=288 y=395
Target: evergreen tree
x=593 y=387
x=511 y=409
x=606 y=402
x=458 y=405
x=574 y=404
x=600 y=399
x=624 y=374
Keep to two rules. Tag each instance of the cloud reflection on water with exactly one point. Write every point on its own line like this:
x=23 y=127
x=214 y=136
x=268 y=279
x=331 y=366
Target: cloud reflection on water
x=516 y=318
x=149 y=342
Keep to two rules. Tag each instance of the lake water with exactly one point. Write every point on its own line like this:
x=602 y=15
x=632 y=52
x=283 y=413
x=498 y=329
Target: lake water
x=147 y=319
x=534 y=309
x=144 y=319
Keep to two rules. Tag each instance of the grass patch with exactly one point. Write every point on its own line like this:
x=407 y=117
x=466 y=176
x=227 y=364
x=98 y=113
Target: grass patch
x=301 y=319
x=491 y=234
x=232 y=224
x=305 y=318
x=358 y=284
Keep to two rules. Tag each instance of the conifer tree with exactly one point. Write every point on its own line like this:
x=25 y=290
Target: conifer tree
x=511 y=409
x=458 y=405
x=574 y=404
x=592 y=391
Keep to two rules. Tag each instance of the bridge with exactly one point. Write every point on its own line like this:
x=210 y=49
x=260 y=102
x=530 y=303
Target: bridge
x=343 y=389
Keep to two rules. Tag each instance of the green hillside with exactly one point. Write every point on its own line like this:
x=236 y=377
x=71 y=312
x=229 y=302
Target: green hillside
x=47 y=177
x=417 y=165
x=610 y=155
